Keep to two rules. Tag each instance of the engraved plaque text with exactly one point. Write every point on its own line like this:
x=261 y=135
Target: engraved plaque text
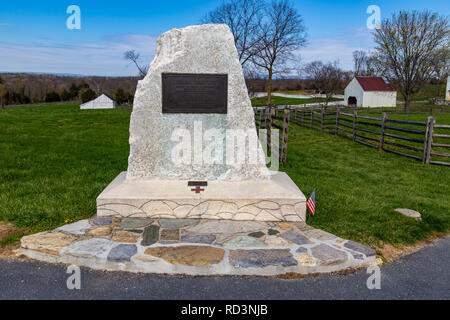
x=194 y=93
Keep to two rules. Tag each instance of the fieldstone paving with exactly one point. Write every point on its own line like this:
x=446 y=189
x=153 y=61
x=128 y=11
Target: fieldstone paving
x=244 y=241
x=188 y=255
x=77 y=228
x=123 y=252
x=262 y=258
x=328 y=255
x=176 y=223
x=132 y=223
x=150 y=235
x=197 y=247
x=94 y=247
x=369 y=252
x=295 y=237
x=102 y=221
x=208 y=239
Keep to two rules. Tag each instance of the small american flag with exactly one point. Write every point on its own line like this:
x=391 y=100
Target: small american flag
x=311 y=204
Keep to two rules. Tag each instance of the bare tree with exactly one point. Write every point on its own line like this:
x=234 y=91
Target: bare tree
x=406 y=47
x=281 y=34
x=441 y=66
x=242 y=16
x=133 y=57
x=327 y=76
x=252 y=75
x=360 y=61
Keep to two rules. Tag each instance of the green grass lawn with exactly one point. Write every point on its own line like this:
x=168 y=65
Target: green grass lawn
x=358 y=188
x=55 y=160
x=427 y=92
x=276 y=100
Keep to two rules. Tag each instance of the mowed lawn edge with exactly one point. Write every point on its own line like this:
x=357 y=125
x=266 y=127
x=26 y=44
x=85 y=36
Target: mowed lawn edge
x=56 y=159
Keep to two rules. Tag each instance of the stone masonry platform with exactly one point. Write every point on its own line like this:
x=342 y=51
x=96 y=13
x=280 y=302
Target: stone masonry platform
x=196 y=247
x=274 y=199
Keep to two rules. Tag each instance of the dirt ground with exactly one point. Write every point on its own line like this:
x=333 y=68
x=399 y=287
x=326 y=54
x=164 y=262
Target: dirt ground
x=6 y=229
x=391 y=253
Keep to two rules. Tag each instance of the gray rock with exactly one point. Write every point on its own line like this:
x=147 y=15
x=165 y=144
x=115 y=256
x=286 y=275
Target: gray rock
x=358 y=256
x=208 y=239
x=369 y=252
x=122 y=253
x=172 y=224
x=328 y=255
x=244 y=241
x=260 y=258
x=295 y=237
x=257 y=234
x=150 y=235
x=78 y=228
x=226 y=227
x=132 y=223
x=95 y=247
x=301 y=250
x=102 y=221
x=409 y=213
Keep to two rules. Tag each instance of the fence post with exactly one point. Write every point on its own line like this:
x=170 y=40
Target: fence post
x=284 y=142
x=322 y=116
x=355 y=115
x=295 y=115
x=337 y=122
x=383 y=128
x=428 y=139
x=260 y=118
x=267 y=125
x=312 y=117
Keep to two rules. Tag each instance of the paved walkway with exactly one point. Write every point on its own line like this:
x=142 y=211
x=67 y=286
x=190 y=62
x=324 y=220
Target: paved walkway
x=422 y=275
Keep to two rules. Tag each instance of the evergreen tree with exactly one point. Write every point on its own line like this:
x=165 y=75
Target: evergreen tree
x=88 y=95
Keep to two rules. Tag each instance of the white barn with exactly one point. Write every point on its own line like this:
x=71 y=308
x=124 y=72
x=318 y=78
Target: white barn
x=102 y=102
x=370 y=92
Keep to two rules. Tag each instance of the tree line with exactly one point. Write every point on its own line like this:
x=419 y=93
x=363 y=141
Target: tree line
x=34 y=88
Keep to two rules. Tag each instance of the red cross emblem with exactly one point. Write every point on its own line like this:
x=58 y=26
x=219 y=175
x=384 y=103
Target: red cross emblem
x=198 y=186
x=197 y=189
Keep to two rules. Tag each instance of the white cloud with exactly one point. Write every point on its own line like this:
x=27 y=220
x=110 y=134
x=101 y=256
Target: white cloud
x=102 y=58
x=340 y=47
x=106 y=56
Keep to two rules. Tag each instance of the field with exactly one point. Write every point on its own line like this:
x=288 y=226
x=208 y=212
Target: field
x=56 y=159
x=276 y=100
x=427 y=92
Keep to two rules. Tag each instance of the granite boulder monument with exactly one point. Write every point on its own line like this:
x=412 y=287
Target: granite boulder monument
x=194 y=150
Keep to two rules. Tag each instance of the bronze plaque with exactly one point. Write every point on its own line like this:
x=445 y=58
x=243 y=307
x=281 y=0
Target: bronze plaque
x=194 y=93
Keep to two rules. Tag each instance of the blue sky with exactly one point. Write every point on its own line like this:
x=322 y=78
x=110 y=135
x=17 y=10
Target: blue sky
x=34 y=36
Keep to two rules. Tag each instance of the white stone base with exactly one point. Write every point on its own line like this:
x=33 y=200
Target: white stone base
x=276 y=199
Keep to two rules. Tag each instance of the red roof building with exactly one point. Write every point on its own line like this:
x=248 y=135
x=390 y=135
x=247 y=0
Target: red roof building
x=370 y=92
x=374 y=84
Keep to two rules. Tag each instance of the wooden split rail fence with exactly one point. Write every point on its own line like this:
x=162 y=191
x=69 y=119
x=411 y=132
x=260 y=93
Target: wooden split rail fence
x=425 y=141
x=269 y=118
